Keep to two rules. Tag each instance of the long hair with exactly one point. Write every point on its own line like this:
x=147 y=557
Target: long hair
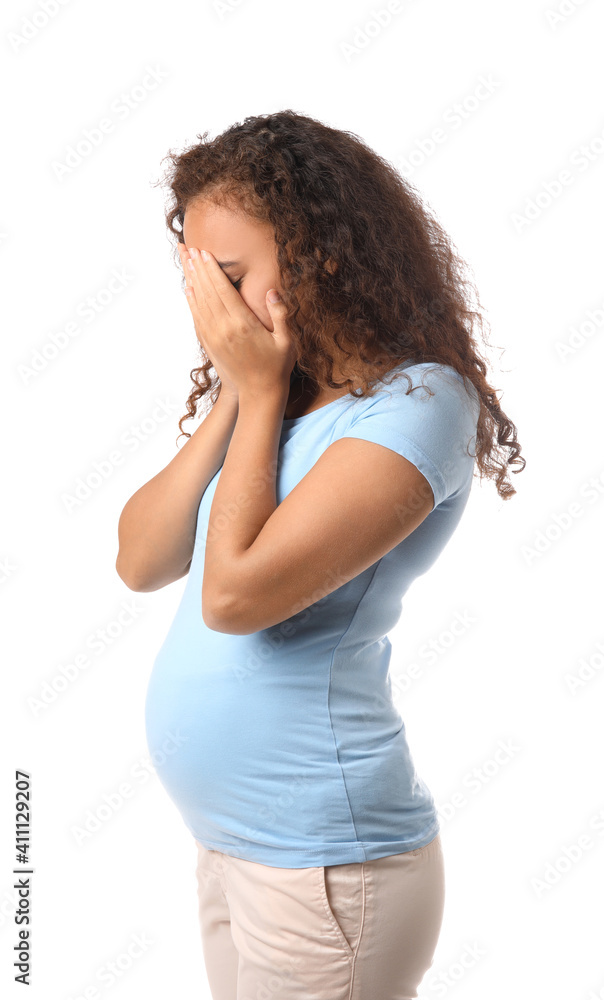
x=361 y=258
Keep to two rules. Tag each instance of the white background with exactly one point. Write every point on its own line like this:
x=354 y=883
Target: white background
x=521 y=919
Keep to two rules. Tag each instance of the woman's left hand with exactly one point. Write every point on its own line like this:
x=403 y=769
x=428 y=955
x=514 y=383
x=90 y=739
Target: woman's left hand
x=251 y=357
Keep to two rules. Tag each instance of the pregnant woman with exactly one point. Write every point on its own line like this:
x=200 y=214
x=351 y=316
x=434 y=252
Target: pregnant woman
x=347 y=410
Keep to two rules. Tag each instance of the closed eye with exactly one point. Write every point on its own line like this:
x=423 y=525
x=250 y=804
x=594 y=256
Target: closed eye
x=237 y=283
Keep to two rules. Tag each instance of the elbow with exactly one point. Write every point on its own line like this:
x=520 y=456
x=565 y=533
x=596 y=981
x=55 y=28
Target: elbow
x=132 y=581
x=146 y=581
x=224 y=615
x=124 y=575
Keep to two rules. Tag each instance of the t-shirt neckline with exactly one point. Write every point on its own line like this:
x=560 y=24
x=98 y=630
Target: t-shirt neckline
x=303 y=416
x=290 y=421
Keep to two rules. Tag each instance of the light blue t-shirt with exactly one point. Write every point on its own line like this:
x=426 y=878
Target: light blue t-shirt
x=290 y=751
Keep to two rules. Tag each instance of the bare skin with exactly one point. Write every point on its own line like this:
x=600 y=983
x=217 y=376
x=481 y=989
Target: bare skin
x=264 y=562
x=233 y=236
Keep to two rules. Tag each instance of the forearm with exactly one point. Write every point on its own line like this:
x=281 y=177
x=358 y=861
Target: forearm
x=156 y=528
x=245 y=495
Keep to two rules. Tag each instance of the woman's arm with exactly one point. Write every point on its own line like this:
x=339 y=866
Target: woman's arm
x=265 y=563
x=156 y=528
x=244 y=500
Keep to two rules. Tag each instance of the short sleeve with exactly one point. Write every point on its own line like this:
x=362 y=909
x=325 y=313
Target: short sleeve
x=437 y=432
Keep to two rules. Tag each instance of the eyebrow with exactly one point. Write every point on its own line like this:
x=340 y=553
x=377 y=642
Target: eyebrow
x=226 y=263
x=221 y=263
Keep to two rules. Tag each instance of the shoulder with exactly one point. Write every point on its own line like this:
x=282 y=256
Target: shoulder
x=425 y=379
x=433 y=393
x=426 y=412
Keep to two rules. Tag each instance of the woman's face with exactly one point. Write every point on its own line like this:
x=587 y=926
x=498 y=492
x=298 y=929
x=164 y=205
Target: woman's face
x=244 y=247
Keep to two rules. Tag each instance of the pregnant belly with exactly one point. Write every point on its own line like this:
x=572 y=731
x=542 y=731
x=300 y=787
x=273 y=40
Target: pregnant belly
x=215 y=736
x=256 y=755
x=188 y=724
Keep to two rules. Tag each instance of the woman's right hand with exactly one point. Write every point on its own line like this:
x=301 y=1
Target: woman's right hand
x=227 y=389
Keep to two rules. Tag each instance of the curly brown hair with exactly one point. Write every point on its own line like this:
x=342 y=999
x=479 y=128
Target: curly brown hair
x=360 y=257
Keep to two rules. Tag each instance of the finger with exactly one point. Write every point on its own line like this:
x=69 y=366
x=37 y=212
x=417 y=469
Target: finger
x=223 y=287
x=184 y=256
x=207 y=296
x=197 y=321
x=231 y=298
x=190 y=297
x=188 y=289
x=204 y=313
x=183 y=253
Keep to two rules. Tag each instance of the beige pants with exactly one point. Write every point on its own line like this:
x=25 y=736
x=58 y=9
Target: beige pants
x=360 y=931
